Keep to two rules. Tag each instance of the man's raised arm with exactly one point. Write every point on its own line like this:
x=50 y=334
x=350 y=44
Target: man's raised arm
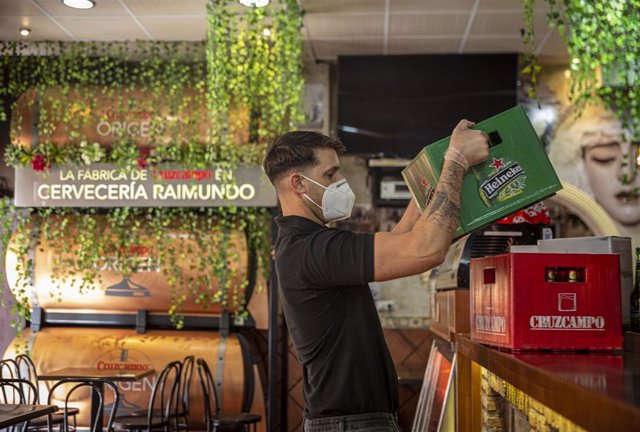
x=425 y=245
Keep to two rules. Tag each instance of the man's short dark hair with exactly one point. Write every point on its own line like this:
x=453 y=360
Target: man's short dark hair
x=296 y=150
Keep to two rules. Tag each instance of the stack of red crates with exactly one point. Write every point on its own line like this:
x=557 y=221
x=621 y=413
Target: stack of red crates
x=534 y=301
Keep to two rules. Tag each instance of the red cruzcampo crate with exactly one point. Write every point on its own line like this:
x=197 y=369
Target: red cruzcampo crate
x=532 y=301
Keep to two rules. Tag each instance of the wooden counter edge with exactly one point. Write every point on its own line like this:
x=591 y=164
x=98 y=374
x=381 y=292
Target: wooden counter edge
x=587 y=408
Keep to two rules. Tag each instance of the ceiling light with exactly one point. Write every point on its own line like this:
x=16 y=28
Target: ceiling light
x=256 y=3
x=79 y=4
x=25 y=31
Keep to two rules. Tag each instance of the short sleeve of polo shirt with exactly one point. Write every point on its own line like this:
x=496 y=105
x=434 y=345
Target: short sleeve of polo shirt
x=336 y=257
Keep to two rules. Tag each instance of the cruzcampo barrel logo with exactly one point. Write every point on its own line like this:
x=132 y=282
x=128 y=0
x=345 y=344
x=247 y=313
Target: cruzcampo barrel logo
x=505 y=180
x=133 y=394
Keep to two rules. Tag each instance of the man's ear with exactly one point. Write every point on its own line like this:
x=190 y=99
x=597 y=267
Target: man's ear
x=294 y=182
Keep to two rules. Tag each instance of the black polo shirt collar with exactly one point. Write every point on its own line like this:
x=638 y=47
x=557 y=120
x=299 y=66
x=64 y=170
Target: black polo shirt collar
x=298 y=224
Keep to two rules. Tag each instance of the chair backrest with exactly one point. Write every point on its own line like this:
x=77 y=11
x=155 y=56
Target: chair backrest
x=27 y=371
x=8 y=369
x=209 y=392
x=9 y=373
x=164 y=394
x=186 y=374
x=96 y=386
x=17 y=391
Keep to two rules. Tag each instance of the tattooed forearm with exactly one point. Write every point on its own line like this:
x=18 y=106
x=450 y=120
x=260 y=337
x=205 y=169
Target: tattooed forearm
x=444 y=209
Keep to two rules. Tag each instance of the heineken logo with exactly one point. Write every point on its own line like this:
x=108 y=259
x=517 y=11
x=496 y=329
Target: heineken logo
x=492 y=186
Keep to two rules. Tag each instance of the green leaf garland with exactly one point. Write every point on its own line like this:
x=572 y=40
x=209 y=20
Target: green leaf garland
x=603 y=42
x=216 y=101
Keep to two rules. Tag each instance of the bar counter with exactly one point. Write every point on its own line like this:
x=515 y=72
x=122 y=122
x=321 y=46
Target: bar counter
x=596 y=391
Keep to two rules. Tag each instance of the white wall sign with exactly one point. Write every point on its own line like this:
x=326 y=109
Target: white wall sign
x=105 y=185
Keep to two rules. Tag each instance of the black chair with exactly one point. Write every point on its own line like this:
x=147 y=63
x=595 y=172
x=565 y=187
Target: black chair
x=215 y=419
x=186 y=374
x=18 y=391
x=26 y=369
x=96 y=386
x=181 y=418
x=163 y=404
x=9 y=369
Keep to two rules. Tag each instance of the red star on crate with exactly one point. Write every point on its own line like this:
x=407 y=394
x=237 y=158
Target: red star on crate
x=497 y=163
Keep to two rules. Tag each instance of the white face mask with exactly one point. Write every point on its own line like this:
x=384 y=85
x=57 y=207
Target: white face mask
x=337 y=200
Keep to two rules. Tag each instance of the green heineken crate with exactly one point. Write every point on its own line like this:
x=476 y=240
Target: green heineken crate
x=517 y=174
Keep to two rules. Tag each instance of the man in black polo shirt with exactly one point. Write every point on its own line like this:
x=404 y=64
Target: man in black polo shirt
x=350 y=382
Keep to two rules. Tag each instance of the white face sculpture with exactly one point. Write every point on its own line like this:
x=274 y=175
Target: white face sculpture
x=610 y=162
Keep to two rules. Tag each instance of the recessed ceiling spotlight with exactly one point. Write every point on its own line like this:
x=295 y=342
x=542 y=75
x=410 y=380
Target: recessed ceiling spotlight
x=79 y=4
x=25 y=31
x=256 y=3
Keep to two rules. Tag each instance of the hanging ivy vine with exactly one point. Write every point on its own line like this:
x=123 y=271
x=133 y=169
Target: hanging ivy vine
x=148 y=104
x=603 y=43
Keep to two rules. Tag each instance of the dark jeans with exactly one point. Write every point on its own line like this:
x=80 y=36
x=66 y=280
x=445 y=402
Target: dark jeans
x=373 y=422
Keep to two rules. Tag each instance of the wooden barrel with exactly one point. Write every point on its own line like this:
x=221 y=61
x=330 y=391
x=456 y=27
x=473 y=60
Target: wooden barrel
x=229 y=359
x=101 y=117
x=145 y=287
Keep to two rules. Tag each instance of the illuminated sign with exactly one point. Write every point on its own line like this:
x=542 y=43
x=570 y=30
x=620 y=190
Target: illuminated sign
x=103 y=185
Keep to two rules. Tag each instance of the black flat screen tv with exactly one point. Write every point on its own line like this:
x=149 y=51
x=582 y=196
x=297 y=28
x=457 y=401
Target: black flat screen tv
x=393 y=106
